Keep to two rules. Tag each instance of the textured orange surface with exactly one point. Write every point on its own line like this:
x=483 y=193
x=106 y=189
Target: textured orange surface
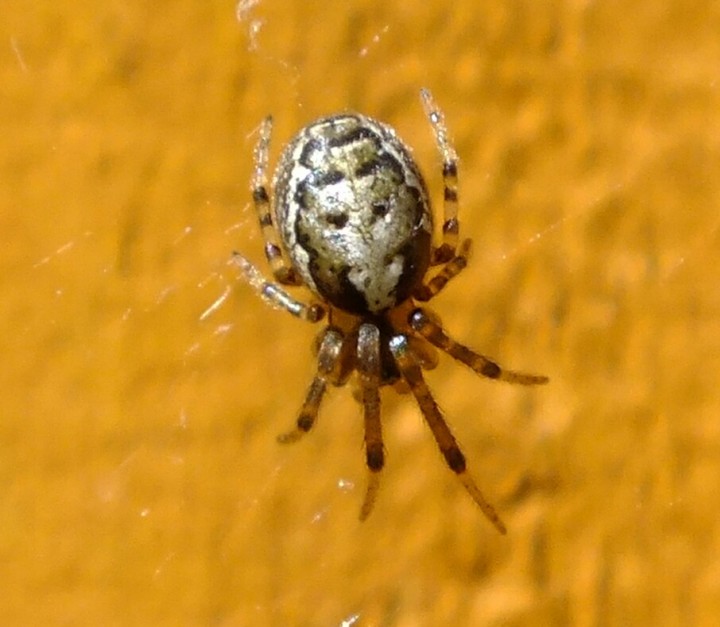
x=143 y=385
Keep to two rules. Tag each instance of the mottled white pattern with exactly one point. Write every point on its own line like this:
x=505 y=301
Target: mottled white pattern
x=353 y=213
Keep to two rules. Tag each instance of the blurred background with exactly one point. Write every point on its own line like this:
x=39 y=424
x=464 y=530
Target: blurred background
x=143 y=385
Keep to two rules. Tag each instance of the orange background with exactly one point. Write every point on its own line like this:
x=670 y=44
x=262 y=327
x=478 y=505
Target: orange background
x=143 y=385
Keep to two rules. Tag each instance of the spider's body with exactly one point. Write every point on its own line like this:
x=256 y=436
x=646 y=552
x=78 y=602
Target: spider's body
x=353 y=217
x=353 y=213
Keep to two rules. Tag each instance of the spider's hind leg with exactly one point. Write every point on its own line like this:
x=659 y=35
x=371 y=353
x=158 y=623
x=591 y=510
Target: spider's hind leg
x=329 y=360
x=422 y=322
x=454 y=457
x=369 y=369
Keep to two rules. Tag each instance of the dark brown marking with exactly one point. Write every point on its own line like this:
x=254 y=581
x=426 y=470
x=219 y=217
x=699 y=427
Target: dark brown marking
x=380 y=209
x=451 y=195
x=305 y=422
x=455 y=459
x=356 y=134
x=272 y=250
x=491 y=370
x=450 y=169
x=260 y=195
x=337 y=219
x=323 y=179
x=375 y=457
x=367 y=168
x=311 y=146
x=451 y=226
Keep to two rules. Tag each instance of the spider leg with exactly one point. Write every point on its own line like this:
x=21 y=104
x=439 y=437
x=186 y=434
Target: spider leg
x=368 y=365
x=274 y=295
x=282 y=272
x=422 y=322
x=449 y=271
x=454 y=457
x=329 y=355
x=451 y=226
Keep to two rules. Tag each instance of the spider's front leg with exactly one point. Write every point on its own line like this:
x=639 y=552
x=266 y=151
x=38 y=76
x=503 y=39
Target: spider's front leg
x=282 y=272
x=451 y=225
x=274 y=295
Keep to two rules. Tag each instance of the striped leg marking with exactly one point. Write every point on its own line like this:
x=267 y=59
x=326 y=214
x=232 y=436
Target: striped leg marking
x=328 y=357
x=274 y=295
x=368 y=356
x=451 y=225
x=282 y=272
x=422 y=323
x=449 y=271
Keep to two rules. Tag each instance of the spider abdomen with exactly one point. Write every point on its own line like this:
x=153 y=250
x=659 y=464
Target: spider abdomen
x=353 y=213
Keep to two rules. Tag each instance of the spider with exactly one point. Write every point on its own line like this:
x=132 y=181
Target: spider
x=351 y=220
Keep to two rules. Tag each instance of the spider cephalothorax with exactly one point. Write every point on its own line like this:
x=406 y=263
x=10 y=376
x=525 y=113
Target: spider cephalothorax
x=353 y=217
